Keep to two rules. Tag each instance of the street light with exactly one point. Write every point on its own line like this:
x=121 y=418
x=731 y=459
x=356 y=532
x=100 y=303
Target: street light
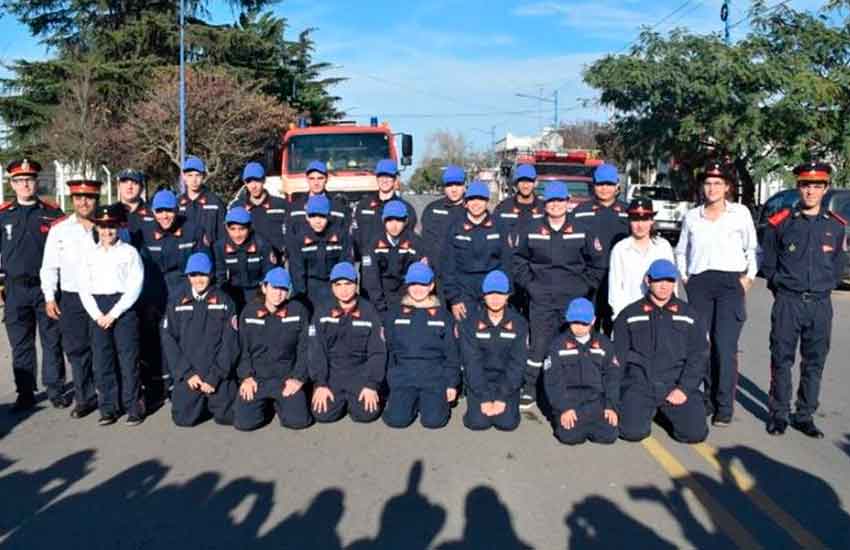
x=544 y=99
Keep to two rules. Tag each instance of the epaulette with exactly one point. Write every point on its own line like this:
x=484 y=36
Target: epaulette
x=59 y=219
x=779 y=217
x=838 y=217
x=6 y=205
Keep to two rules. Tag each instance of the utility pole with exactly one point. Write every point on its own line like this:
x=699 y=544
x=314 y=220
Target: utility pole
x=553 y=99
x=724 y=16
x=182 y=88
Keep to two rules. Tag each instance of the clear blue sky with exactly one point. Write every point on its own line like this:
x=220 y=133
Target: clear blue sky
x=431 y=65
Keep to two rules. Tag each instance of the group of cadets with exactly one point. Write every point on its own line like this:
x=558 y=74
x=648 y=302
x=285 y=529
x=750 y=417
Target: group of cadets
x=187 y=298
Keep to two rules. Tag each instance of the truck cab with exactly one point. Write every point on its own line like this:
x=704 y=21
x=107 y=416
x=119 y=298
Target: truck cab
x=574 y=167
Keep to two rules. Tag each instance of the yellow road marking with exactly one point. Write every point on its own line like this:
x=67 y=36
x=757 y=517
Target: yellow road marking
x=725 y=521
x=747 y=485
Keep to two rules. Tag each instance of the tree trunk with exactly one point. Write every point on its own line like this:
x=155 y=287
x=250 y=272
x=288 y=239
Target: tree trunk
x=747 y=185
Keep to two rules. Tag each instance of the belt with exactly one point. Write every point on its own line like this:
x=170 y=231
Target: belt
x=805 y=296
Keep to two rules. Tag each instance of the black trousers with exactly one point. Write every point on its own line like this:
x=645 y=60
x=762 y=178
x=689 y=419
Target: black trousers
x=115 y=356
x=639 y=405
x=293 y=411
x=590 y=425
x=75 y=326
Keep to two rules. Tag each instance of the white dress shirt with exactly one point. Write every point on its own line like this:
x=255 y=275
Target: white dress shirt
x=113 y=270
x=628 y=268
x=728 y=243
x=62 y=252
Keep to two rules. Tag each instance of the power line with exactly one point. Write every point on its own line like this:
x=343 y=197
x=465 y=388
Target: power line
x=466 y=115
x=750 y=15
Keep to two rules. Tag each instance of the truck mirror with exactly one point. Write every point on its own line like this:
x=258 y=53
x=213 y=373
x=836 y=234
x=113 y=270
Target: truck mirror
x=406 y=148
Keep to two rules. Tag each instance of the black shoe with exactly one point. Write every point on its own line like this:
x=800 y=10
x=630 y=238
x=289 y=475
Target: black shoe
x=23 y=403
x=777 y=426
x=107 y=419
x=526 y=400
x=721 y=420
x=807 y=427
x=134 y=419
x=61 y=401
x=82 y=411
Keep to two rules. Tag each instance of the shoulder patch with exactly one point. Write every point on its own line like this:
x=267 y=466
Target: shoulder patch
x=776 y=219
x=6 y=205
x=838 y=217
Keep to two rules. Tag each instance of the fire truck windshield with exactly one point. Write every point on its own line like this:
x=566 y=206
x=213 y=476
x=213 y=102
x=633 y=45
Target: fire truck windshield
x=342 y=152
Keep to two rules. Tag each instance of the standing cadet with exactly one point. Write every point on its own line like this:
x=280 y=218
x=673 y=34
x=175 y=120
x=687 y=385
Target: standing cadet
x=388 y=256
x=24 y=226
x=439 y=215
x=348 y=356
x=582 y=380
x=475 y=245
x=62 y=252
x=241 y=258
x=110 y=279
x=317 y=184
x=273 y=362
x=805 y=253
x=200 y=340
x=367 y=222
x=268 y=213
x=605 y=216
x=198 y=204
x=555 y=262
x=662 y=344
x=315 y=250
x=130 y=186
x=716 y=256
x=423 y=370
x=494 y=349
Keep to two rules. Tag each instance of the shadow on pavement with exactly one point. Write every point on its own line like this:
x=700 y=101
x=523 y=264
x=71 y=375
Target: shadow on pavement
x=757 y=405
x=488 y=524
x=845 y=445
x=597 y=522
x=9 y=421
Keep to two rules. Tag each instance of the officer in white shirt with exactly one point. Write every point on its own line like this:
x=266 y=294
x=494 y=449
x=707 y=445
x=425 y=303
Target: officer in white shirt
x=632 y=256
x=716 y=257
x=110 y=276
x=58 y=275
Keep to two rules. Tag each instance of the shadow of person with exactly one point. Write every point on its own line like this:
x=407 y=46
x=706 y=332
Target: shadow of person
x=674 y=502
x=596 y=522
x=9 y=420
x=753 y=399
x=408 y=520
x=488 y=524
x=845 y=445
x=316 y=527
x=24 y=492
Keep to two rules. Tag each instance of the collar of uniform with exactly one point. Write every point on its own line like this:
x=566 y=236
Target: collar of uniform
x=265 y=202
x=487 y=222
x=142 y=209
x=250 y=245
x=212 y=298
x=201 y=199
x=546 y=228
x=263 y=311
x=160 y=233
x=381 y=202
x=725 y=209
x=649 y=306
x=354 y=313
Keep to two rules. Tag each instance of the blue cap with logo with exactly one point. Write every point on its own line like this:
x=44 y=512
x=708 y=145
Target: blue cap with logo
x=556 y=191
x=496 y=282
x=453 y=175
x=199 y=262
x=278 y=277
x=394 y=209
x=580 y=310
x=662 y=270
x=238 y=215
x=606 y=173
x=164 y=200
x=253 y=171
x=525 y=172
x=419 y=274
x=318 y=205
x=131 y=175
x=477 y=190
x=194 y=164
x=344 y=270
x=317 y=166
x=386 y=167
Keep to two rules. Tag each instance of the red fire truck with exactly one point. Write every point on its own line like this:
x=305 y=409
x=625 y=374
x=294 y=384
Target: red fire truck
x=574 y=167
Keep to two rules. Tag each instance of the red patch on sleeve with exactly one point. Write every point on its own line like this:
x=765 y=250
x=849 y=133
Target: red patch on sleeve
x=779 y=217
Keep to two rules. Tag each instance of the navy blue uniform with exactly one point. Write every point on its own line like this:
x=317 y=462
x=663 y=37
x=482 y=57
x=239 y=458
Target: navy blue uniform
x=199 y=337
x=584 y=378
x=206 y=211
x=240 y=268
x=554 y=267
x=312 y=256
x=384 y=264
x=513 y=214
x=274 y=349
x=661 y=349
x=268 y=220
x=367 y=221
x=436 y=220
x=611 y=225
x=804 y=260
x=470 y=252
x=423 y=361
x=137 y=219
x=347 y=354
x=23 y=232
x=494 y=357
x=296 y=221
x=115 y=358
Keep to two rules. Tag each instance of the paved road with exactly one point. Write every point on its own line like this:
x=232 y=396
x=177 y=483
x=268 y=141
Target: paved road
x=76 y=485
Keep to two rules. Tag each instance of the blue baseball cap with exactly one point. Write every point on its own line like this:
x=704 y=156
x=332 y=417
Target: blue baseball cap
x=194 y=164
x=662 y=270
x=453 y=175
x=394 y=209
x=344 y=270
x=477 y=190
x=131 y=175
x=238 y=215
x=419 y=274
x=198 y=262
x=317 y=166
x=386 y=167
x=278 y=277
x=580 y=310
x=525 y=172
x=164 y=200
x=318 y=205
x=496 y=282
x=606 y=173
x=556 y=191
x=253 y=171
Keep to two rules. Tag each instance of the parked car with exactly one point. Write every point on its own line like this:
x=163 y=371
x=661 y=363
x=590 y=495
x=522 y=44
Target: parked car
x=670 y=209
